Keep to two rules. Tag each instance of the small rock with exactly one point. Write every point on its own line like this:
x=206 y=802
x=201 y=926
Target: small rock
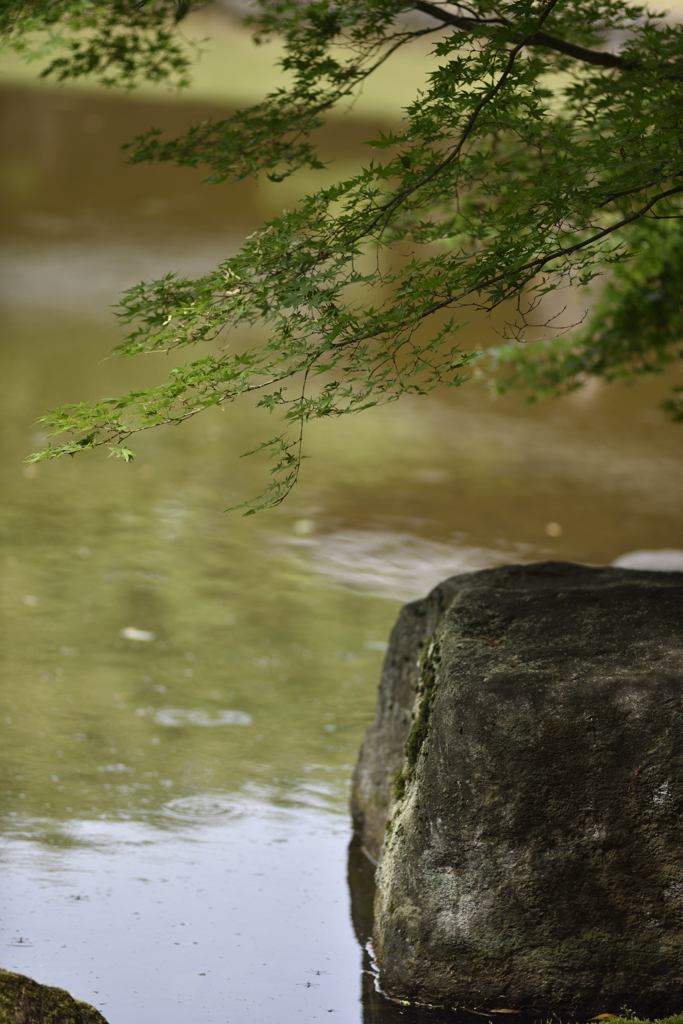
x=24 y=1001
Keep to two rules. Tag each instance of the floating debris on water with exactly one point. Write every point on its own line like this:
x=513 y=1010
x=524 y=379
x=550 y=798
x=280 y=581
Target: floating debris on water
x=142 y=636
x=195 y=716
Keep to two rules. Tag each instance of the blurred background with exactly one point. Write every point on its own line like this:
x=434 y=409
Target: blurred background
x=185 y=690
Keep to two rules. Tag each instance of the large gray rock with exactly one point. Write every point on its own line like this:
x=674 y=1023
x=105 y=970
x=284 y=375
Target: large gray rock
x=24 y=1001
x=534 y=857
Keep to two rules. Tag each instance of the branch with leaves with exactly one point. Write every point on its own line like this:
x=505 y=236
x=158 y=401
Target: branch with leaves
x=537 y=157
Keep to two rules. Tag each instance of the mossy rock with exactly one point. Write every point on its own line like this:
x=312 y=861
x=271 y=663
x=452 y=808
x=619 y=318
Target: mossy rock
x=24 y=1001
x=677 y=1018
x=610 y=1018
x=534 y=851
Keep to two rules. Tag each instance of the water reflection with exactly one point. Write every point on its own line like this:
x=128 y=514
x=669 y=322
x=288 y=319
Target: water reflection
x=184 y=692
x=192 y=926
x=387 y=563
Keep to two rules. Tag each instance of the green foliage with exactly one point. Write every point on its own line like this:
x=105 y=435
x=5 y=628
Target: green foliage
x=636 y=325
x=538 y=157
x=120 y=44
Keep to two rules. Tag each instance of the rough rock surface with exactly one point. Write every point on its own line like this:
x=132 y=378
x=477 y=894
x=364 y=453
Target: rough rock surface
x=24 y=1001
x=534 y=858
x=381 y=754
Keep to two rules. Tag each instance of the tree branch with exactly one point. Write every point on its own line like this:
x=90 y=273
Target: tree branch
x=543 y=39
x=535 y=266
x=453 y=154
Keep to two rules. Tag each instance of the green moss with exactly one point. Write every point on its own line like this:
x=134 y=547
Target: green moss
x=426 y=692
x=676 y=1018
x=24 y=1001
x=630 y=1018
x=399 y=786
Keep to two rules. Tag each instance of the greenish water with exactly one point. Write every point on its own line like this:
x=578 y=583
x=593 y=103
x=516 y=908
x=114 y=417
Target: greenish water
x=184 y=691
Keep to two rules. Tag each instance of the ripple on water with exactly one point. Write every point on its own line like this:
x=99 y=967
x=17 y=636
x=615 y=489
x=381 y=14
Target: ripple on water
x=203 y=808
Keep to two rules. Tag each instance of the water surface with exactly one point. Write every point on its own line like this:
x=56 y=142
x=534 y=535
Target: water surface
x=184 y=692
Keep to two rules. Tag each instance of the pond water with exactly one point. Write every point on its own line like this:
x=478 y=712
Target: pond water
x=184 y=691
